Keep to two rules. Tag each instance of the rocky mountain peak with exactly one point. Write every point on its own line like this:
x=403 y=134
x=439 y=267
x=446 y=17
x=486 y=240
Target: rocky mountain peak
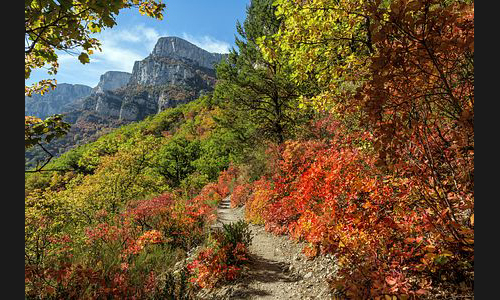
x=175 y=47
x=175 y=61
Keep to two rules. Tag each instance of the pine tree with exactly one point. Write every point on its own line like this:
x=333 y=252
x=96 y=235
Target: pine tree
x=253 y=88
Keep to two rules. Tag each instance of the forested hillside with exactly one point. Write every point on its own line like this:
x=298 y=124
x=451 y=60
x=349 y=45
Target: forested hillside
x=346 y=125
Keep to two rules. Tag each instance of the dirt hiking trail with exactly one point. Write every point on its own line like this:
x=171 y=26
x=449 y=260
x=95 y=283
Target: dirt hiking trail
x=277 y=269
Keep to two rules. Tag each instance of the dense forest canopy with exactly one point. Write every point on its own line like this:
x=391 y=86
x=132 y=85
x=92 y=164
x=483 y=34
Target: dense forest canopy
x=345 y=124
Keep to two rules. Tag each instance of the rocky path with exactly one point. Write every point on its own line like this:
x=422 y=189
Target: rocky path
x=277 y=269
x=226 y=214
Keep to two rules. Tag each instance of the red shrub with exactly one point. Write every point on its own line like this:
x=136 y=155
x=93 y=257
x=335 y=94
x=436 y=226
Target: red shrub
x=226 y=181
x=240 y=195
x=217 y=263
x=258 y=200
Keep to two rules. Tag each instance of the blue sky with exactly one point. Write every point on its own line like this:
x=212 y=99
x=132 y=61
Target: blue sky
x=209 y=24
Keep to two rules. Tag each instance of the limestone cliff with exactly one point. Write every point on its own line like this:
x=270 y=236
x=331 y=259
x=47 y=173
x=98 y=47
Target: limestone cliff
x=111 y=81
x=174 y=60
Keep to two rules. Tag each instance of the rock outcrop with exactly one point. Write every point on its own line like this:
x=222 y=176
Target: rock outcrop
x=111 y=81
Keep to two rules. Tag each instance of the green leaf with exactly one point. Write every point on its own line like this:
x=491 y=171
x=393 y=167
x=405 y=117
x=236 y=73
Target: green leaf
x=84 y=58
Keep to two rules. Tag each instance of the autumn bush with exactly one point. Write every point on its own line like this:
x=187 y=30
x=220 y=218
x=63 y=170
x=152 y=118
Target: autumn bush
x=222 y=258
x=240 y=194
x=227 y=179
x=258 y=200
x=182 y=222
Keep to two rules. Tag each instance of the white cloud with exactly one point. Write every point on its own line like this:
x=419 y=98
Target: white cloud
x=208 y=43
x=150 y=35
x=117 y=58
x=127 y=36
x=122 y=47
x=140 y=37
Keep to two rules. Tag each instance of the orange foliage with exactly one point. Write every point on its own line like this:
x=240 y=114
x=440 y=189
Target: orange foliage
x=221 y=261
x=241 y=194
x=258 y=201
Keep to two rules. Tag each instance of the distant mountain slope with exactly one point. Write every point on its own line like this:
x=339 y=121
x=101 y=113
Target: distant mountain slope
x=55 y=101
